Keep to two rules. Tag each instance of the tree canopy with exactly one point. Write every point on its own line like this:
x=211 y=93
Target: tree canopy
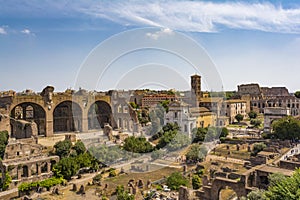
x=175 y=180
x=3 y=142
x=297 y=94
x=252 y=114
x=255 y=122
x=275 y=178
x=196 y=153
x=122 y=194
x=258 y=147
x=280 y=187
x=208 y=133
x=196 y=182
x=286 y=128
x=239 y=118
x=137 y=145
x=63 y=148
x=288 y=188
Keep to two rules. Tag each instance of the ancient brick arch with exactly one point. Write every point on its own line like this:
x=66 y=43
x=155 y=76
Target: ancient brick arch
x=47 y=102
x=30 y=111
x=220 y=183
x=99 y=113
x=67 y=116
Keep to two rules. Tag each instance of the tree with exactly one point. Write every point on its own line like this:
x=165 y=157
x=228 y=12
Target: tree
x=256 y=195
x=175 y=180
x=156 y=116
x=133 y=105
x=137 y=145
x=67 y=167
x=198 y=134
x=258 y=147
x=3 y=142
x=6 y=181
x=239 y=118
x=297 y=94
x=179 y=141
x=171 y=127
x=165 y=105
x=252 y=114
x=84 y=160
x=166 y=138
x=288 y=188
x=196 y=153
x=224 y=132
x=275 y=178
x=122 y=194
x=255 y=122
x=62 y=148
x=212 y=134
x=79 y=147
x=196 y=182
x=286 y=128
x=157 y=154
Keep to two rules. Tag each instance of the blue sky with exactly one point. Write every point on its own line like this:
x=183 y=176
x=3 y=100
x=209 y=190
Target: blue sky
x=46 y=42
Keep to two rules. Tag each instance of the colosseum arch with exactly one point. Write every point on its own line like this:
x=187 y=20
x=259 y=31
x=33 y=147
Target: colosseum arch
x=30 y=112
x=99 y=113
x=67 y=117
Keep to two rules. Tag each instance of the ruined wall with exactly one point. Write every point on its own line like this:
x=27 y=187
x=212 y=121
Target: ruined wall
x=291 y=165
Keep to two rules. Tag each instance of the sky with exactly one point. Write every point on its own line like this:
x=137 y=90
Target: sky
x=89 y=44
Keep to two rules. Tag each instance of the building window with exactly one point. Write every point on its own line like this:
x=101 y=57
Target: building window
x=175 y=115
x=120 y=109
x=125 y=109
x=185 y=128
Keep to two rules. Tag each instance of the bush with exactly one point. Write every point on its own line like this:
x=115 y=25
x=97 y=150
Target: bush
x=175 y=180
x=112 y=172
x=47 y=183
x=255 y=122
x=258 y=147
x=159 y=188
x=252 y=115
x=196 y=182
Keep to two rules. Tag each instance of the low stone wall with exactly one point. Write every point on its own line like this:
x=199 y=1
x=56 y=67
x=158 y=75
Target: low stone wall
x=289 y=164
x=9 y=194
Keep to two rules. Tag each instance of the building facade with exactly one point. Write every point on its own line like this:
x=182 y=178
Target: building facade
x=179 y=113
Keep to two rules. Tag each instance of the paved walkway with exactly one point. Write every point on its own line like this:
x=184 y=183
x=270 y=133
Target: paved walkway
x=293 y=151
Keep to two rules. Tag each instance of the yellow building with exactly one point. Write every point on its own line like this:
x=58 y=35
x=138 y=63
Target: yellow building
x=204 y=118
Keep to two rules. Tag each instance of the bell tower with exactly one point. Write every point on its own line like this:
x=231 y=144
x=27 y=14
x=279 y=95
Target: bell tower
x=196 y=89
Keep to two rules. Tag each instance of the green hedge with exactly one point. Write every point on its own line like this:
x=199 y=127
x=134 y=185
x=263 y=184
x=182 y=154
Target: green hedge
x=47 y=183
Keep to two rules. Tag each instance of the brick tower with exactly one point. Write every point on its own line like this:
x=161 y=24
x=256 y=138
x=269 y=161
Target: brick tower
x=196 y=89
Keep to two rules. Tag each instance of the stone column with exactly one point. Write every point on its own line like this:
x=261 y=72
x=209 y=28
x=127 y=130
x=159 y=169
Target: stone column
x=24 y=112
x=84 y=121
x=29 y=170
x=19 y=173
x=48 y=166
x=49 y=122
x=39 y=168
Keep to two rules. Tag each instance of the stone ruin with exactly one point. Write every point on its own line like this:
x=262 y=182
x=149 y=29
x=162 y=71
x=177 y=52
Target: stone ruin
x=25 y=160
x=108 y=131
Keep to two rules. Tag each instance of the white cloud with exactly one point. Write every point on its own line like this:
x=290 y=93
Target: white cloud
x=3 y=31
x=26 y=31
x=200 y=16
x=162 y=32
